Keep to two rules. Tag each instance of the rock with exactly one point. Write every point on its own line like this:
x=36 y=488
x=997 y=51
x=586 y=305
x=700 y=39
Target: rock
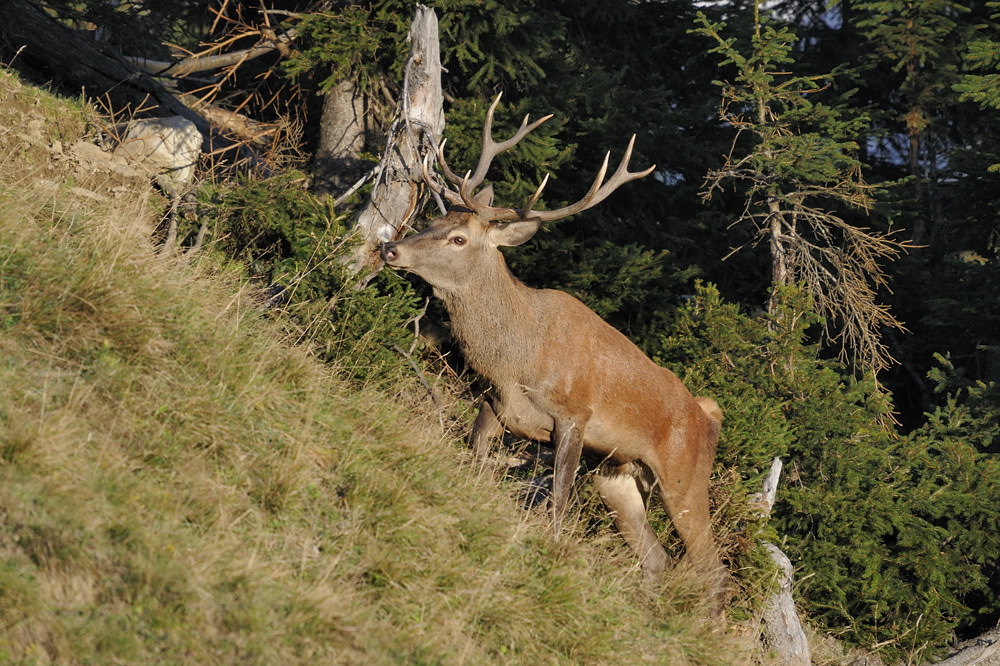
x=171 y=145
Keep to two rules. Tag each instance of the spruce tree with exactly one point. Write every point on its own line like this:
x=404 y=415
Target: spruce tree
x=794 y=158
x=893 y=539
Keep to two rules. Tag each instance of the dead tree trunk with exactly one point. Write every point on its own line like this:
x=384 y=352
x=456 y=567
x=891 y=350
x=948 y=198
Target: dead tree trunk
x=46 y=46
x=782 y=630
x=58 y=52
x=399 y=193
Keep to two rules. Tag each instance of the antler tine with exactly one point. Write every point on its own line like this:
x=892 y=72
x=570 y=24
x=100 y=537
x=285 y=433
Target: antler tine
x=534 y=198
x=491 y=148
x=452 y=177
x=467 y=197
x=622 y=171
x=600 y=190
x=437 y=187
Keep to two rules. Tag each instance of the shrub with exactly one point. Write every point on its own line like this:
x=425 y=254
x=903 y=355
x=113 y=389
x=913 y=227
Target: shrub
x=293 y=245
x=894 y=543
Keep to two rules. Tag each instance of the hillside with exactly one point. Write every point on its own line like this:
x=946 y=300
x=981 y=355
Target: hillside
x=181 y=484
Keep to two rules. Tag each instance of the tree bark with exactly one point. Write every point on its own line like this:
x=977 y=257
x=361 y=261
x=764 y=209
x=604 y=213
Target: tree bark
x=341 y=139
x=399 y=193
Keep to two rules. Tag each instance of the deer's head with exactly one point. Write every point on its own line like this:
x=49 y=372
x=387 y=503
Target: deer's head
x=452 y=248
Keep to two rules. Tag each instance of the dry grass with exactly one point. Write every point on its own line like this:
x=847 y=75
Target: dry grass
x=178 y=484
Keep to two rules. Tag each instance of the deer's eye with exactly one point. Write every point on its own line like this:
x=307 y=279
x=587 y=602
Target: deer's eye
x=458 y=240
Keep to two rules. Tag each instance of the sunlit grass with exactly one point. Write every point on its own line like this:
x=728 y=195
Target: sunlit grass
x=179 y=484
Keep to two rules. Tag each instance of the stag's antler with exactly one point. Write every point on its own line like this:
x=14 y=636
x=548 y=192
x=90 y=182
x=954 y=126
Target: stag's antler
x=468 y=183
x=465 y=196
x=598 y=192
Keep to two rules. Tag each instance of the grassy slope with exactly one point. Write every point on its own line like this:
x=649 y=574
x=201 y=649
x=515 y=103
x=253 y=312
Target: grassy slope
x=179 y=485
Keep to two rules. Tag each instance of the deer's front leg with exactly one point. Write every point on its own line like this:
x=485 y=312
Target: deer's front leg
x=567 y=439
x=486 y=428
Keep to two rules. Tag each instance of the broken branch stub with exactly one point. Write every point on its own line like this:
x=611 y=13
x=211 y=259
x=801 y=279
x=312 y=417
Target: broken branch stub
x=783 y=631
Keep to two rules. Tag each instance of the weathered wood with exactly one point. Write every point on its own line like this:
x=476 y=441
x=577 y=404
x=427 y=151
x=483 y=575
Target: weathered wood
x=782 y=629
x=983 y=650
x=202 y=63
x=51 y=49
x=769 y=492
x=399 y=192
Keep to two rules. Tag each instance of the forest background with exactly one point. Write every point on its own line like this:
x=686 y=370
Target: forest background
x=818 y=247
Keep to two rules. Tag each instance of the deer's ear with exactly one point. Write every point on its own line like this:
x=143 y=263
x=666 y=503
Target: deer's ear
x=484 y=197
x=513 y=233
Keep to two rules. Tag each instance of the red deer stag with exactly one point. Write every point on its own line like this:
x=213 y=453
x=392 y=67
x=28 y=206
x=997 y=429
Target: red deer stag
x=560 y=373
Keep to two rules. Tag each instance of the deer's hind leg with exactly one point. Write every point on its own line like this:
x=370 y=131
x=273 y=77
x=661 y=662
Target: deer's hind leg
x=685 y=498
x=625 y=497
x=485 y=430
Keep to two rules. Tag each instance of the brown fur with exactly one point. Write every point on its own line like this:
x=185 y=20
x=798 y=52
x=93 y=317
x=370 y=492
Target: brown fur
x=563 y=375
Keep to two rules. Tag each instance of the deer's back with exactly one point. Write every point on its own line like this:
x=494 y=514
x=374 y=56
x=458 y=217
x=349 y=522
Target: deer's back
x=558 y=358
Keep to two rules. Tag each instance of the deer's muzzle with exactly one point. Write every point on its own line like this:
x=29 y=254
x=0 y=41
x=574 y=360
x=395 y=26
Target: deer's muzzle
x=388 y=251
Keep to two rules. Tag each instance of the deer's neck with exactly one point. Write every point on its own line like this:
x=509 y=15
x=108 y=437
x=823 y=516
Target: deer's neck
x=493 y=318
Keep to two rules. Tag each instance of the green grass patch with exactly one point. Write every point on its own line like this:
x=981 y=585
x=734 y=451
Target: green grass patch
x=181 y=484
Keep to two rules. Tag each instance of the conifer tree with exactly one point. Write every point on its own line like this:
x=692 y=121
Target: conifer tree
x=795 y=157
x=981 y=83
x=919 y=42
x=892 y=536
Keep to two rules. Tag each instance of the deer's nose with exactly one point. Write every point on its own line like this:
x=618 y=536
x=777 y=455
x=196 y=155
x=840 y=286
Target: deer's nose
x=388 y=251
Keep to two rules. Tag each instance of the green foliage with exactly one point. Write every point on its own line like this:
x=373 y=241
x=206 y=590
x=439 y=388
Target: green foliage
x=803 y=144
x=959 y=446
x=953 y=464
x=893 y=542
x=295 y=247
x=918 y=40
x=501 y=42
x=489 y=43
x=982 y=55
x=349 y=42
